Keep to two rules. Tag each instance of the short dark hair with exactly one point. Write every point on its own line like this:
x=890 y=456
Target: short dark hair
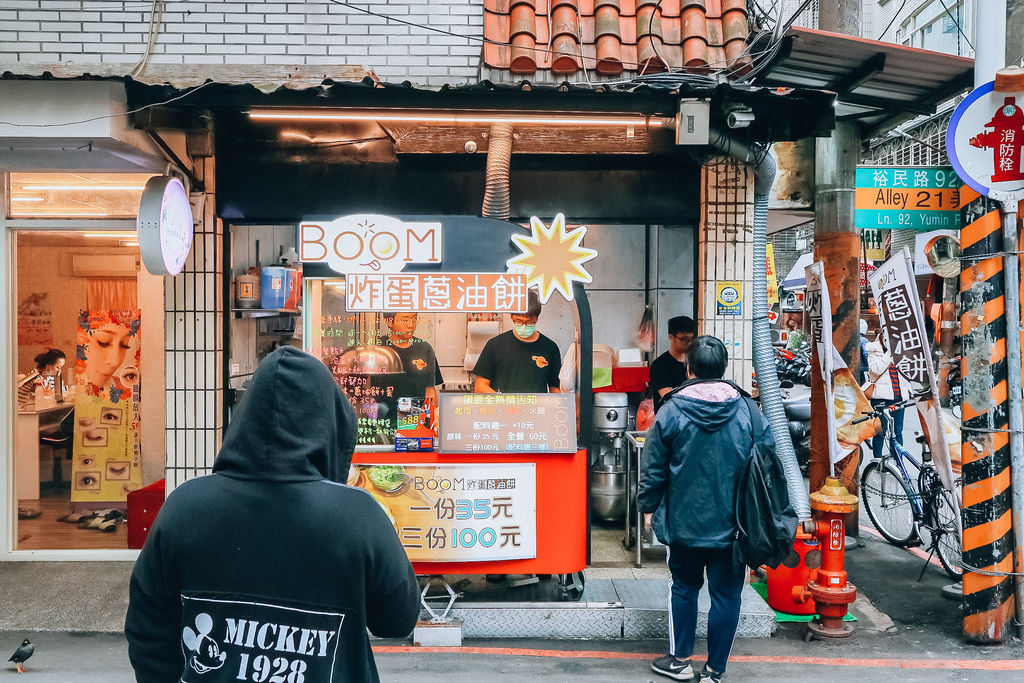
x=681 y=324
x=532 y=304
x=707 y=357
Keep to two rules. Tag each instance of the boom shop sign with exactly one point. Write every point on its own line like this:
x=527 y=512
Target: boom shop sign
x=369 y=243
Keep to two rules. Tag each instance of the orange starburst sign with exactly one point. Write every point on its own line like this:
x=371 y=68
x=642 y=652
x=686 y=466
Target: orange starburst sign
x=552 y=258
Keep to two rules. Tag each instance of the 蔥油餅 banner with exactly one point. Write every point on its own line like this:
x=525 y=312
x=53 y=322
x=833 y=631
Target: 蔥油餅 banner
x=902 y=320
x=844 y=400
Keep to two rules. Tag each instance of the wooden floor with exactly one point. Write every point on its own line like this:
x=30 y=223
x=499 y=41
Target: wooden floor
x=46 y=533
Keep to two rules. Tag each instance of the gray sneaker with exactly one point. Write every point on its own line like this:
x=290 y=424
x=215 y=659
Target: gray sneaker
x=678 y=669
x=709 y=676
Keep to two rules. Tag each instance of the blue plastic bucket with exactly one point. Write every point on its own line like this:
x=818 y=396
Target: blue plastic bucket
x=275 y=285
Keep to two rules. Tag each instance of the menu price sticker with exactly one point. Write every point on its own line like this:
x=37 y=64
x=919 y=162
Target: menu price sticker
x=507 y=423
x=459 y=512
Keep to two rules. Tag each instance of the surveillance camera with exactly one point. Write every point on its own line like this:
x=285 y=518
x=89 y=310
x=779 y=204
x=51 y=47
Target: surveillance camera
x=739 y=117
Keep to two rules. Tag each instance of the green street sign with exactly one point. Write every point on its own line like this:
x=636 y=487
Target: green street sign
x=907 y=197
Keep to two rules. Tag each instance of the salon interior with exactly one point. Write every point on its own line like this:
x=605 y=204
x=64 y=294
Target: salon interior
x=89 y=323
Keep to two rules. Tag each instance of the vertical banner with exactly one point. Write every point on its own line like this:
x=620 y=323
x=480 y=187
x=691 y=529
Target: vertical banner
x=772 y=274
x=107 y=449
x=819 y=308
x=902 y=319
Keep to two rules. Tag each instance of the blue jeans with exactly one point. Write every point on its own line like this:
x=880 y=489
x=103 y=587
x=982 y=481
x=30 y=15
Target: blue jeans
x=725 y=583
x=878 y=442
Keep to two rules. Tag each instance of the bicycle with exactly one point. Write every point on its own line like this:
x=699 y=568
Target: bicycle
x=909 y=511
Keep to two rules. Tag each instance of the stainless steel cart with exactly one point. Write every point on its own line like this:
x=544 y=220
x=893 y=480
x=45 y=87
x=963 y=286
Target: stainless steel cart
x=636 y=534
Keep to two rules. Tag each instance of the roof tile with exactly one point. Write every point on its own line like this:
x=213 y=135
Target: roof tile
x=616 y=36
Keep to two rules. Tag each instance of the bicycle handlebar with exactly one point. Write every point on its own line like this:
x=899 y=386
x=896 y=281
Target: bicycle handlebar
x=878 y=413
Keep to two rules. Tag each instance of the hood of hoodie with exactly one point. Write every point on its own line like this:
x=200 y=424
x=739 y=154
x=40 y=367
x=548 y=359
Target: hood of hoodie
x=293 y=424
x=708 y=405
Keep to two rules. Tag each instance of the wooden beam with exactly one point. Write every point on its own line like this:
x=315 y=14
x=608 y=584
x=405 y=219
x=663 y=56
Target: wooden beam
x=529 y=140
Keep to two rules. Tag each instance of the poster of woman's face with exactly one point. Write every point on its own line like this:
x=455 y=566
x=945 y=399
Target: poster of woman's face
x=108 y=349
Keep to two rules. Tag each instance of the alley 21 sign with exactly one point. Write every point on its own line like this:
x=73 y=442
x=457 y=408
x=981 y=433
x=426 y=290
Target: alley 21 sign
x=907 y=197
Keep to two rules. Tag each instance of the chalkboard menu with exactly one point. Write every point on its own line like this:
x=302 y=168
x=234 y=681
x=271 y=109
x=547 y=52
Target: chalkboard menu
x=507 y=423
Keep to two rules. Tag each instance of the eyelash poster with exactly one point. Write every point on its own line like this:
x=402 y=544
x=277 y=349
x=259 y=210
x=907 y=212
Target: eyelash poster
x=107 y=449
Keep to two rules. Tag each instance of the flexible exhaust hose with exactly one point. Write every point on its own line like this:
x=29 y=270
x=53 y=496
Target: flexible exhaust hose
x=764 y=358
x=497 y=200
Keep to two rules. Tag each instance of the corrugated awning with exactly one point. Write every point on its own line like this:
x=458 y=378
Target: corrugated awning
x=879 y=84
x=266 y=78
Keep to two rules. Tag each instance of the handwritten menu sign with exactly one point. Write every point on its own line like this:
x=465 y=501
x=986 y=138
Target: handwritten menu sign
x=465 y=512
x=507 y=423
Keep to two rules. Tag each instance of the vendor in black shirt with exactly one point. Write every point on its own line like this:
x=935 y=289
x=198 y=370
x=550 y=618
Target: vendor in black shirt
x=668 y=370
x=520 y=361
x=421 y=374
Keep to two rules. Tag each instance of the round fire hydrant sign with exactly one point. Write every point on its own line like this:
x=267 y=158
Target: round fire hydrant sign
x=984 y=141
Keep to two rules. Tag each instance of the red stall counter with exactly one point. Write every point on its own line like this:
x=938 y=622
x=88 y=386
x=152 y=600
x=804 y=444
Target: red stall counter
x=527 y=511
x=143 y=506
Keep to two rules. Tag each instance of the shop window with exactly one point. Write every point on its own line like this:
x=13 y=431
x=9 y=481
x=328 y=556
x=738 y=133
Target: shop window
x=385 y=363
x=89 y=341
x=75 y=195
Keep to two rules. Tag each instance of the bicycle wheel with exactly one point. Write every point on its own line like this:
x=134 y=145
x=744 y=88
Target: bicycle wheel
x=948 y=547
x=887 y=499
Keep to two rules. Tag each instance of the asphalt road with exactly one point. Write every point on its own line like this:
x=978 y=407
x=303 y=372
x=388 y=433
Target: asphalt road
x=906 y=631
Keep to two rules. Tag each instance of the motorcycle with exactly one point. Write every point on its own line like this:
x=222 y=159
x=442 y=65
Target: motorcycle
x=796 y=401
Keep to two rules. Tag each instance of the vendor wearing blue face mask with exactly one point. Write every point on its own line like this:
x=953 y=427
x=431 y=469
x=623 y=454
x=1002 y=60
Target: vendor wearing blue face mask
x=520 y=361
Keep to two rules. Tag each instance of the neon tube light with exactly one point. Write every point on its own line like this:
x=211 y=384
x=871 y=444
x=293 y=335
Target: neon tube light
x=397 y=116
x=59 y=214
x=119 y=188
x=28 y=199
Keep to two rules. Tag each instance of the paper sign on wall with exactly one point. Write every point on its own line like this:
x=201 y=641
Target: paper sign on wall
x=729 y=297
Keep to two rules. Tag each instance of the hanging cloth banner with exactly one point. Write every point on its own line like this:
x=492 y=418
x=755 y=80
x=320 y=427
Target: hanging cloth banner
x=844 y=400
x=902 y=318
x=819 y=307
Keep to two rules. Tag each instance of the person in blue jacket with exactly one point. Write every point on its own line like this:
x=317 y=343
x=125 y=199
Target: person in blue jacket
x=697 y=452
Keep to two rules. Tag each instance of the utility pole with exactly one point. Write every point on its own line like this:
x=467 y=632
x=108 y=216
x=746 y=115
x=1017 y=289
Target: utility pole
x=991 y=400
x=837 y=244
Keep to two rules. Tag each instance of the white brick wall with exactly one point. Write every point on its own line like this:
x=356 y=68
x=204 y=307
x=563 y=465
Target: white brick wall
x=314 y=32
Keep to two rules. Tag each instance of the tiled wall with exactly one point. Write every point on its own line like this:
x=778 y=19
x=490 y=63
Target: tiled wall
x=314 y=32
x=725 y=253
x=194 y=345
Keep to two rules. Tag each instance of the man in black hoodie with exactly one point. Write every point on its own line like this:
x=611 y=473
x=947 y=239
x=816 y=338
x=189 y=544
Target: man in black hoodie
x=272 y=566
x=696 y=454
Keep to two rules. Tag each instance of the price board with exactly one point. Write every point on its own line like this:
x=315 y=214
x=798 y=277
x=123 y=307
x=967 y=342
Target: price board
x=907 y=198
x=507 y=423
x=458 y=512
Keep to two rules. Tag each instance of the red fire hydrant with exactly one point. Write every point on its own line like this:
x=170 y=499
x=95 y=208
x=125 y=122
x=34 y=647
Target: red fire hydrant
x=827 y=585
x=1005 y=141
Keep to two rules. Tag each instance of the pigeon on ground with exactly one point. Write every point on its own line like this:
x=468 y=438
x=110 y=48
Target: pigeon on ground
x=22 y=654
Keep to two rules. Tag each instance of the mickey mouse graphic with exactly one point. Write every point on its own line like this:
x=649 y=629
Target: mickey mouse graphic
x=208 y=655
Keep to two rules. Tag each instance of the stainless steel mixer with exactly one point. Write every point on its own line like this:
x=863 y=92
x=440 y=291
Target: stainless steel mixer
x=607 y=473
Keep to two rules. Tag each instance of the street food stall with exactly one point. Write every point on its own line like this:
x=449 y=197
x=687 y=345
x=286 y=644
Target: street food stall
x=474 y=483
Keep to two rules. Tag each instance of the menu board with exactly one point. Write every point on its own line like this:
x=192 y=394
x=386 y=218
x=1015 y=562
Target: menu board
x=385 y=377
x=463 y=512
x=507 y=423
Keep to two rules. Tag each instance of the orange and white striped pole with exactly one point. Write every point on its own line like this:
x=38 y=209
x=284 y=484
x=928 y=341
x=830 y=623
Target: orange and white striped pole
x=988 y=541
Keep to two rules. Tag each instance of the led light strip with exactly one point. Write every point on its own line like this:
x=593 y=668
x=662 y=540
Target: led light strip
x=394 y=116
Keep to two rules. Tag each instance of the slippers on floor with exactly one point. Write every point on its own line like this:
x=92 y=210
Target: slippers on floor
x=76 y=517
x=29 y=513
x=91 y=523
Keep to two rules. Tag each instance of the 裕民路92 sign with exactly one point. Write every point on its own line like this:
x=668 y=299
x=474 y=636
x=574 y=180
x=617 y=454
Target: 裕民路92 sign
x=907 y=198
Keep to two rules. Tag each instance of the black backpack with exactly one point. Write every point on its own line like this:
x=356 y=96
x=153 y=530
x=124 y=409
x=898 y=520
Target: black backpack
x=765 y=520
